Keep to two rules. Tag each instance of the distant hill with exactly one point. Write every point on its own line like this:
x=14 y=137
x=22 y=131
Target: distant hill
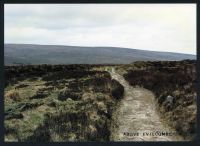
x=55 y=54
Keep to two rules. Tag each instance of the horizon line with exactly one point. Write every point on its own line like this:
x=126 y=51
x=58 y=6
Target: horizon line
x=100 y=46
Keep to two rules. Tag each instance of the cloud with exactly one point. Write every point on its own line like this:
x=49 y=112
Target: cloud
x=159 y=27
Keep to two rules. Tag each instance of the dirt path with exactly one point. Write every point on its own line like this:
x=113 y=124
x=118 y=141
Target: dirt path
x=136 y=117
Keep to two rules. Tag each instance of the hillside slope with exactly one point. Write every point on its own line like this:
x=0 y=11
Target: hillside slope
x=54 y=54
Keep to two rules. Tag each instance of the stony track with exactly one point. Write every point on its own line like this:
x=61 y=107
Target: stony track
x=136 y=117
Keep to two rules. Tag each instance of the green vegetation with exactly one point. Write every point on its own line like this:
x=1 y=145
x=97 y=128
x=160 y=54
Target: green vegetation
x=59 y=103
x=76 y=102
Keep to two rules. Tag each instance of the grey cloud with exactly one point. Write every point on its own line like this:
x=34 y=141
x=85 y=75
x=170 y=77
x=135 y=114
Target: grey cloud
x=58 y=17
x=159 y=27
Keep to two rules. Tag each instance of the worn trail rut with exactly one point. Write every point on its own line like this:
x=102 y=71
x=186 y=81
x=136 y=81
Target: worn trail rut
x=136 y=117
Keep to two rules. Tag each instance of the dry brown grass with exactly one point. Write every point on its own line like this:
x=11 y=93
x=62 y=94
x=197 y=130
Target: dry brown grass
x=13 y=95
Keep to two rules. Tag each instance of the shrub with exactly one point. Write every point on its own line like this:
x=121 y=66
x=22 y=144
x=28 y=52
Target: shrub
x=13 y=96
x=21 y=86
x=65 y=94
x=117 y=89
x=39 y=95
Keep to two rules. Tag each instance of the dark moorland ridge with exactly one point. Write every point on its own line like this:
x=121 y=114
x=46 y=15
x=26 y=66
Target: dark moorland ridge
x=55 y=54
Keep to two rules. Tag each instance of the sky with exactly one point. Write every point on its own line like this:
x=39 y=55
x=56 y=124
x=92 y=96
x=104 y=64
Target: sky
x=156 y=27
